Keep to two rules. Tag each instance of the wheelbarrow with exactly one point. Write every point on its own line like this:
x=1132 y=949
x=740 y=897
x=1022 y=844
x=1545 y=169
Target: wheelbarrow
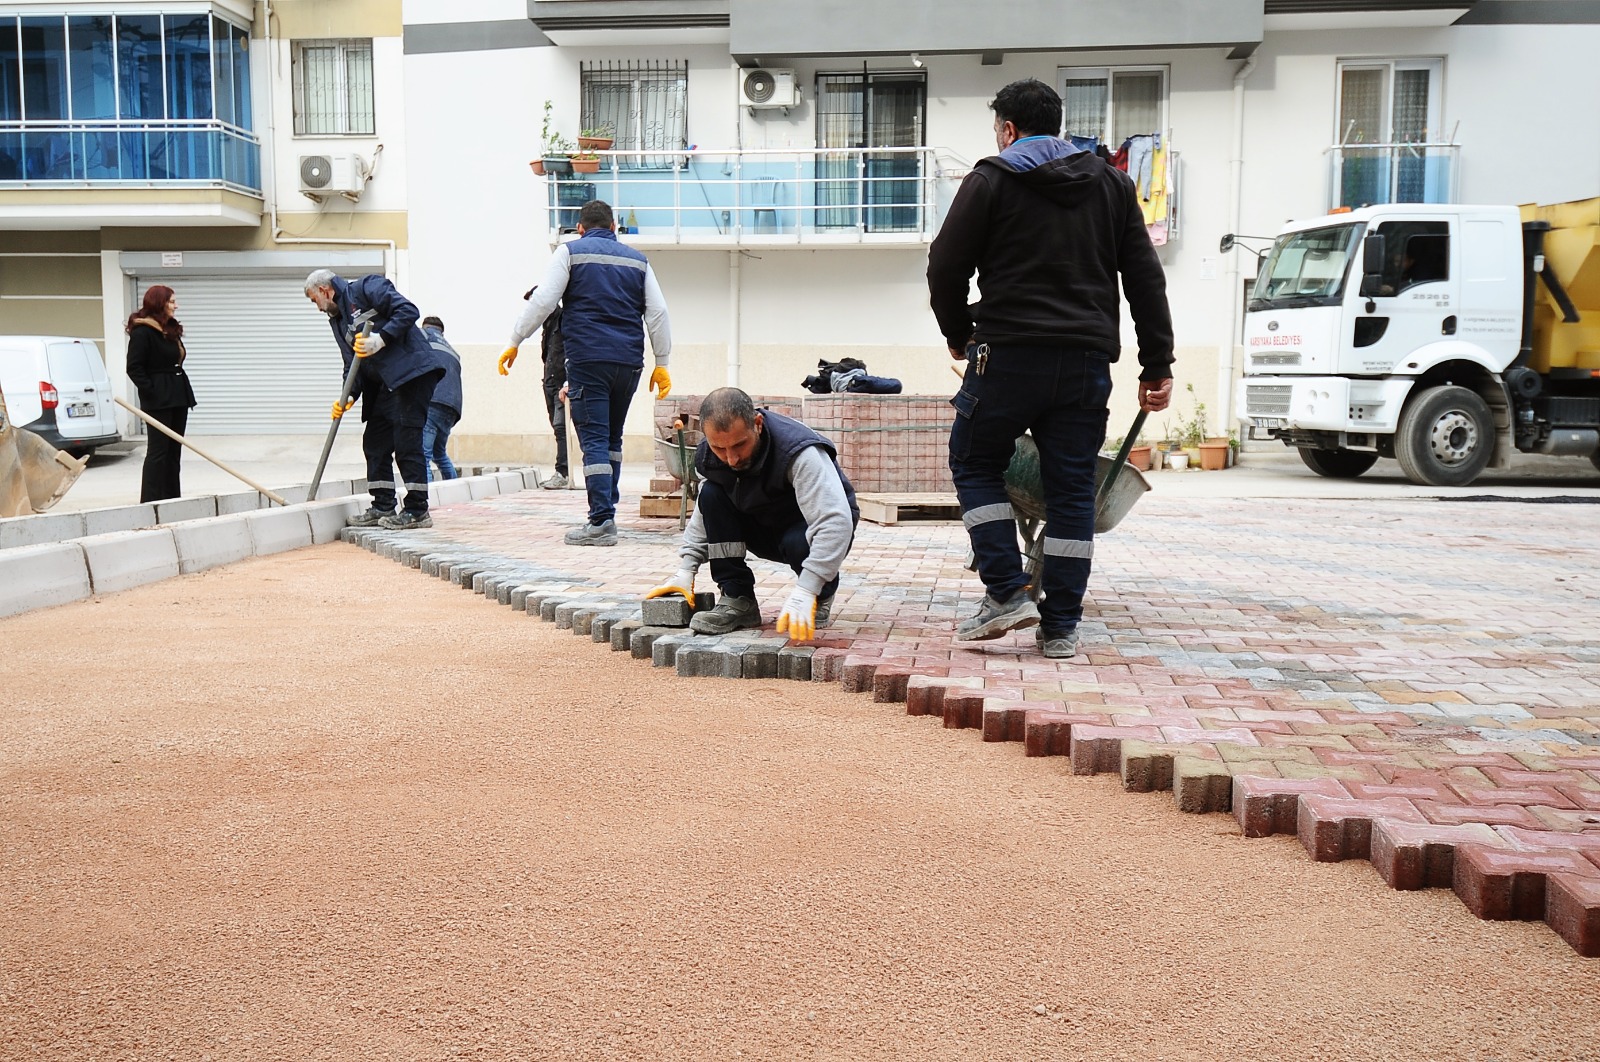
x=677 y=454
x=1118 y=485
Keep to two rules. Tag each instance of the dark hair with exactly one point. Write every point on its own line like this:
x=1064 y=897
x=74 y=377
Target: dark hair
x=596 y=214
x=434 y=321
x=154 y=308
x=724 y=406
x=1030 y=105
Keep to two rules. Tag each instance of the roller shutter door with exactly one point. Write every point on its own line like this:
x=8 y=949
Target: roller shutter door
x=261 y=358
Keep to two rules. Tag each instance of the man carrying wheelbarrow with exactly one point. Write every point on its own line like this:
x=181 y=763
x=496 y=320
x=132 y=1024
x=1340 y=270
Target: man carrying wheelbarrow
x=1049 y=229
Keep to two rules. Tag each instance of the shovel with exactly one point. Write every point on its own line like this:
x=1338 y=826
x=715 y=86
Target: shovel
x=364 y=320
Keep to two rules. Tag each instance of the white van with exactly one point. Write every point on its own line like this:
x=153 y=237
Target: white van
x=57 y=387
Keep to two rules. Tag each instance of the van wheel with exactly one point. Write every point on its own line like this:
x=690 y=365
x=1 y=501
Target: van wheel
x=1446 y=437
x=1337 y=464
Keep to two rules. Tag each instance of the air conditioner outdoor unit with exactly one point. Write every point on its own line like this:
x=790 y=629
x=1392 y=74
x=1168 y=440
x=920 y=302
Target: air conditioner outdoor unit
x=330 y=174
x=769 y=88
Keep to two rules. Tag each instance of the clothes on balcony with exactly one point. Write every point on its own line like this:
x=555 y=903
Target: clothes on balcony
x=1049 y=243
x=1141 y=161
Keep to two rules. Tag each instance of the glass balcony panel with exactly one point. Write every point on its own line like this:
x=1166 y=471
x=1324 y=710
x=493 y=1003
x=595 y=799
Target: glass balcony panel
x=1375 y=174
x=44 y=67
x=188 y=66
x=94 y=83
x=139 y=73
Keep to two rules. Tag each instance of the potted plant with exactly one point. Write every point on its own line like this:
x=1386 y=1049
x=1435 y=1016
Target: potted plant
x=1192 y=429
x=585 y=162
x=554 y=146
x=599 y=138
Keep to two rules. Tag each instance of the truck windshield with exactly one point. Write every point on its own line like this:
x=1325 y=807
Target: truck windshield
x=1306 y=268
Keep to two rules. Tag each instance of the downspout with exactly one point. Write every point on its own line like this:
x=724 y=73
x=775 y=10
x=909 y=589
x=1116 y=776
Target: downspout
x=735 y=269
x=1235 y=196
x=391 y=252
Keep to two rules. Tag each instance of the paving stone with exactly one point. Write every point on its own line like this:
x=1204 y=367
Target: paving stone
x=1414 y=855
x=1266 y=806
x=548 y=603
x=671 y=611
x=1146 y=766
x=1499 y=884
x=1098 y=749
x=760 y=658
x=600 y=626
x=1332 y=829
x=622 y=633
x=1005 y=719
x=1201 y=785
x=889 y=683
x=664 y=649
x=794 y=662
x=925 y=693
x=642 y=640
x=1572 y=909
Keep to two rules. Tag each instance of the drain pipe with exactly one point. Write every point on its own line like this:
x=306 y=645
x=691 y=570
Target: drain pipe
x=735 y=278
x=391 y=251
x=1225 y=354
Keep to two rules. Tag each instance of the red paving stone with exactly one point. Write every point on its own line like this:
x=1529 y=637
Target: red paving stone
x=1386 y=682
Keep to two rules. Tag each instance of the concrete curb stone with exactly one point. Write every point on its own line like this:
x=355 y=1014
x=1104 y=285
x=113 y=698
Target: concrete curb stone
x=212 y=542
x=176 y=509
x=53 y=573
x=123 y=559
x=276 y=530
x=118 y=518
x=40 y=529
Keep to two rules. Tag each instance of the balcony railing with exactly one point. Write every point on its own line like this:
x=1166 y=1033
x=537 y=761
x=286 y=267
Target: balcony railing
x=1373 y=174
x=140 y=154
x=814 y=196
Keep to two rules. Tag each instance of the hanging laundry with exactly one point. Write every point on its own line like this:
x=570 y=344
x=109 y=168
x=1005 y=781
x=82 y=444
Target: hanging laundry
x=1141 y=155
x=1090 y=144
x=1119 y=158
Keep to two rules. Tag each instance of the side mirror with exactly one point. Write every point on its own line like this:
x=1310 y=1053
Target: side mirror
x=1226 y=245
x=1373 y=255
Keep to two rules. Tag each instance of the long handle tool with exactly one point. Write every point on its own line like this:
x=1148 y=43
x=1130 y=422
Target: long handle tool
x=364 y=322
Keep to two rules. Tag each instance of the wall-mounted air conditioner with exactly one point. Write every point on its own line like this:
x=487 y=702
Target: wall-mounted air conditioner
x=768 y=88
x=330 y=174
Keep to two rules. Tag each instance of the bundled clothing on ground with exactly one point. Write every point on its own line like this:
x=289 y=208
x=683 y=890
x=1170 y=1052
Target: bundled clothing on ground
x=848 y=376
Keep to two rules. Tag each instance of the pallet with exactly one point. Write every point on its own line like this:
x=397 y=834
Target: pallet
x=665 y=505
x=890 y=509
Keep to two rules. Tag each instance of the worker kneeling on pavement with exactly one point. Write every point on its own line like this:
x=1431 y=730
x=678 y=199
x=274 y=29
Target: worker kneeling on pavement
x=769 y=486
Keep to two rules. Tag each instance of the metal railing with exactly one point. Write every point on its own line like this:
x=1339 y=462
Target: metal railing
x=156 y=153
x=1373 y=174
x=803 y=196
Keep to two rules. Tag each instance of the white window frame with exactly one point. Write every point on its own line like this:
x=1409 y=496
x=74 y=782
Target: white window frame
x=1435 y=67
x=1113 y=138
x=340 y=87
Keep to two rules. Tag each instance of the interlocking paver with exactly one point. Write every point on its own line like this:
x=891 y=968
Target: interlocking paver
x=1386 y=684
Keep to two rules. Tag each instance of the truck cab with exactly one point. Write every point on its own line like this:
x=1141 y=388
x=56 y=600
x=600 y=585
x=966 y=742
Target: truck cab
x=1386 y=331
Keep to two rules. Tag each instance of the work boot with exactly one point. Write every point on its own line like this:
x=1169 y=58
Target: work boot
x=731 y=614
x=593 y=535
x=824 y=612
x=556 y=482
x=1056 y=646
x=996 y=618
x=406 y=521
x=371 y=518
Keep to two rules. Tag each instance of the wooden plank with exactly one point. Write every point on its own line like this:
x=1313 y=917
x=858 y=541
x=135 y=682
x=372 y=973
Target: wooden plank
x=662 y=505
x=890 y=509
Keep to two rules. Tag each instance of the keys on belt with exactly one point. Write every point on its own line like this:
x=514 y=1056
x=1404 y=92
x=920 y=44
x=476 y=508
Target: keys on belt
x=978 y=356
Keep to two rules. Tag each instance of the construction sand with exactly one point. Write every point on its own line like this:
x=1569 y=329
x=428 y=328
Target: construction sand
x=316 y=807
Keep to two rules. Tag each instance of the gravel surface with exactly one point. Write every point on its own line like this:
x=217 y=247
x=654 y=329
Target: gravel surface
x=316 y=807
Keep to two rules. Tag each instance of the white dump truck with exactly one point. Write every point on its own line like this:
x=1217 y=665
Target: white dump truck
x=1445 y=337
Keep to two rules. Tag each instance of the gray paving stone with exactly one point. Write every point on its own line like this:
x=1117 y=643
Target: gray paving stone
x=600 y=626
x=564 y=612
x=622 y=633
x=429 y=564
x=761 y=657
x=519 y=595
x=583 y=619
x=664 y=650
x=794 y=662
x=699 y=657
x=550 y=602
x=671 y=611
x=643 y=639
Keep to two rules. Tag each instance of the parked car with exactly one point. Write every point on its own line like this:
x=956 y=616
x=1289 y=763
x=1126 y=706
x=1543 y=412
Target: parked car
x=58 y=387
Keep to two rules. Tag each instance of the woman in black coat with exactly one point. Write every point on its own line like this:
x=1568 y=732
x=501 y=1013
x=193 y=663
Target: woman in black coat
x=155 y=365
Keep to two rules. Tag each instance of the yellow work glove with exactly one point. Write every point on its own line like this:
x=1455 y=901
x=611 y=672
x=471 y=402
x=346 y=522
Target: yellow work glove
x=681 y=583
x=799 y=616
x=661 y=381
x=368 y=345
x=508 y=359
x=341 y=410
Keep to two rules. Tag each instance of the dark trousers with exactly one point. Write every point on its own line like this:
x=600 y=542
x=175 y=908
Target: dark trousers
x=731 y=534
x=599 y=393
x=1060 y=395
x=162 y=456
x=558 y=417
x=393 y=436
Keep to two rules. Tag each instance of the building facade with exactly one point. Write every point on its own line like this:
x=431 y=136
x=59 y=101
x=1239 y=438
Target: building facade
x=784 y=166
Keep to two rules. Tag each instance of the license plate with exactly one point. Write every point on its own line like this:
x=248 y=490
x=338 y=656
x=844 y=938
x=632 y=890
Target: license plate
x=80 y=409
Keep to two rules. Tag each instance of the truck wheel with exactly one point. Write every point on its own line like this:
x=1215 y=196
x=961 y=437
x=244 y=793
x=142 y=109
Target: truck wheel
x=1446 y=437
x=1337 y=464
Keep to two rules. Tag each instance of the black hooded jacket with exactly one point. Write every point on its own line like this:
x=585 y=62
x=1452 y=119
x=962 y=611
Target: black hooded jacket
x=1048 y=242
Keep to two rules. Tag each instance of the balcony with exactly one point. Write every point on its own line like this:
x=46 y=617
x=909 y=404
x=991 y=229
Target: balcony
x=93 y=174
x=1374 y=174
x=871 y=197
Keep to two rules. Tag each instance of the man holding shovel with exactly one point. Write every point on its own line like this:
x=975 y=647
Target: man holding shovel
x=1049 y=229
x=376 y=327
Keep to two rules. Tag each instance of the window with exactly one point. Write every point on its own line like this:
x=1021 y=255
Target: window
x=642 y=106
x=125 y=97
x=1415 y=252
x=1388 y=134
x=333 y=88
x=1307 y=268
x=1110 y=104
x=871 y=111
